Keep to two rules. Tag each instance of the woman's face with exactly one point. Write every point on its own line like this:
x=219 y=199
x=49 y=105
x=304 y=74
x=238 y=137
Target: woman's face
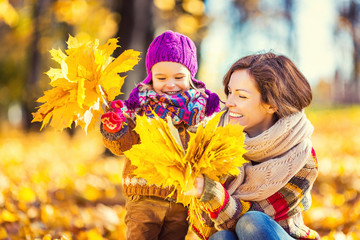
x=245 y=105
x=170 y=78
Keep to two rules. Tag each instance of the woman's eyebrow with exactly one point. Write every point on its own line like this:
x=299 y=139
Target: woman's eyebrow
x=240 y=90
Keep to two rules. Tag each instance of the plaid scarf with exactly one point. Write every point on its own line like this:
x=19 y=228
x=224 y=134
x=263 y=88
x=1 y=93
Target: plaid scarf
x=188 y=106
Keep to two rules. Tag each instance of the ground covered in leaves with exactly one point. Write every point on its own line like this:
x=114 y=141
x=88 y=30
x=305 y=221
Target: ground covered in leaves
x=62 y=186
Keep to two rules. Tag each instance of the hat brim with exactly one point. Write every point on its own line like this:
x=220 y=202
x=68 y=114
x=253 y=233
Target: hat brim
x=197 y=83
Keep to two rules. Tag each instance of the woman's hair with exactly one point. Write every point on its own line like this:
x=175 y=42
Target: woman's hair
x=278 y=80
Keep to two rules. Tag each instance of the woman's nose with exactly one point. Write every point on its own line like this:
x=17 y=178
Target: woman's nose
x=229 y=103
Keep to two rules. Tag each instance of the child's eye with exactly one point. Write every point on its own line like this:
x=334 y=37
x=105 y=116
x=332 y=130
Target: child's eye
x=161 y=78
x=179 y=78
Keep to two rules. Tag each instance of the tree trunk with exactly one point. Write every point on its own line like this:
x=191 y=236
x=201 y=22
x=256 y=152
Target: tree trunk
x=135 y=32
x=34 y=65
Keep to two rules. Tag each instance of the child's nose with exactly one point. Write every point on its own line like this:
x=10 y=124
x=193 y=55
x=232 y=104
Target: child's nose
x=171 y=83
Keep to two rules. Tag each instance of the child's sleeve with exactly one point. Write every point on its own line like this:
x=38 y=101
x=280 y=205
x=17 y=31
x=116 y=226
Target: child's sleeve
x=223 y=209
x=122 y=140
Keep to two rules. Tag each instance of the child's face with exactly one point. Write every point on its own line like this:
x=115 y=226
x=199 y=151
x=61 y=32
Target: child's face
x=245 y=105
x=170 y=78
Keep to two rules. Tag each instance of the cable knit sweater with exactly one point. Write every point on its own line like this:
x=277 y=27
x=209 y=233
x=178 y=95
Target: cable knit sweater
x=277 y=181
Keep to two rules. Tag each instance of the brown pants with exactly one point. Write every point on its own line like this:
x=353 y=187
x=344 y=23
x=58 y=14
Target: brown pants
x=151 y=218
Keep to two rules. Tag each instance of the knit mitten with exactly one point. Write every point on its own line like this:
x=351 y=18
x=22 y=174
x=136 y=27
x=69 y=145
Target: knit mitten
x=113 y=121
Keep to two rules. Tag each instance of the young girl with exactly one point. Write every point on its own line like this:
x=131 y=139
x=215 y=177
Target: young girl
x=169 y=89
x=266 y=94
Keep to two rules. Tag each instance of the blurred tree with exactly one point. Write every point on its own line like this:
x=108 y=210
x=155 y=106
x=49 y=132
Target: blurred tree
x=35 y=28
x=136 y=32
x=349 y=22
x=141 y=20
x=31 y=28
x=270 y=15
x=34 y=60
x=185 y=16
x=15 y=32
x=289 y=9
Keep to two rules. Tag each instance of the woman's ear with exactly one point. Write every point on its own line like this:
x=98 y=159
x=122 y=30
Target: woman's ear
x=270 y=109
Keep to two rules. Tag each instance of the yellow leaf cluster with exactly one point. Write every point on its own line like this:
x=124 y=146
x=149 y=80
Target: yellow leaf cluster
x=58 y=187
x=88 y=77
x=213 y=151
x=60 y=169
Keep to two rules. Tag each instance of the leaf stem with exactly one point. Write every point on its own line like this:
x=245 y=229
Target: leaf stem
x=104 y=96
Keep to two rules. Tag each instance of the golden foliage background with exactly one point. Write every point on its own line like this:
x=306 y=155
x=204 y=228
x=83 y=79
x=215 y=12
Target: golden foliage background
x=57 y=186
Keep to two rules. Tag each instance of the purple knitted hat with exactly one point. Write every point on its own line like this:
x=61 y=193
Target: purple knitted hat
x=173 y=47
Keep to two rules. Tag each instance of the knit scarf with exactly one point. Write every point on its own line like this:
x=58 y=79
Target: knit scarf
x=188 y=106
x=276 y=155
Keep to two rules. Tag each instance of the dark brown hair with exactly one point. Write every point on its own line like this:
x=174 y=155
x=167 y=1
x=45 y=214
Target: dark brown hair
x=279 y=82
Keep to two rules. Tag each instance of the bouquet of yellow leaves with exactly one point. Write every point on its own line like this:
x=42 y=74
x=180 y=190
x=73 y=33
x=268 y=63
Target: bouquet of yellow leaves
x=216 y=152
x=88 y=77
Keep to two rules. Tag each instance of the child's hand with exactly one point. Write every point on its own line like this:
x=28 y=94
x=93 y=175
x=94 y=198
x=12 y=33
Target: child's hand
x=117 y=105
x=198 y=188
x=113 y=121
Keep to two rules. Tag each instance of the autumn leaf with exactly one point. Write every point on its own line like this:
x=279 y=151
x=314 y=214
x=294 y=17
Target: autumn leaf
x=87 y=78
x=59 y=169
x=213 y=151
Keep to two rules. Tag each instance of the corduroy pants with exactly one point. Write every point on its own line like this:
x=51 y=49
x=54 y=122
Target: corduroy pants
x=152 y=218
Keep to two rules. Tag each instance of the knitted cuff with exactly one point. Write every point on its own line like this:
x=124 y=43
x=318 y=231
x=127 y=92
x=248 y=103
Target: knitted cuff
x=114 y=136
x=215 y=197
x=223 y=209
x=211 y=189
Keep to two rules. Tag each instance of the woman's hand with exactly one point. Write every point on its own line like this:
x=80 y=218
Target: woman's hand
x=198 y=188
x=114 y=120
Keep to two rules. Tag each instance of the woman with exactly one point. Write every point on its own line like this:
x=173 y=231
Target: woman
x=266 y=94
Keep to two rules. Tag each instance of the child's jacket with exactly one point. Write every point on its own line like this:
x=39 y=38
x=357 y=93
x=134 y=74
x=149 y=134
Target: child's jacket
x=186 y=110
x=122 y=141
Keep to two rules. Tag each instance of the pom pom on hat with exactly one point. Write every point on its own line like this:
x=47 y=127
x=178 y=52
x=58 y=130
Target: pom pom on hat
x=133 y=100
x=213 y=103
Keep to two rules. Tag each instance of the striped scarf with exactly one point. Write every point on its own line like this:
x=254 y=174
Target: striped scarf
x=188 y=106
x=279 y=153
x=277 y=181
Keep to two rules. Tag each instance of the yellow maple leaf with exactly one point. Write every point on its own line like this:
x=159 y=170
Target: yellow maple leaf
x=214 y=151
x=94 y=234
x=3 y=233
x=7 y=216
x=26 y=194
x=87 y=78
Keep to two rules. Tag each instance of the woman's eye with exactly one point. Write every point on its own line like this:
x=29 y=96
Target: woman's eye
x=240 y=96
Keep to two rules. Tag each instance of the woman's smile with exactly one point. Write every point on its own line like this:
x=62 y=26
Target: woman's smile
x=235 y=115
